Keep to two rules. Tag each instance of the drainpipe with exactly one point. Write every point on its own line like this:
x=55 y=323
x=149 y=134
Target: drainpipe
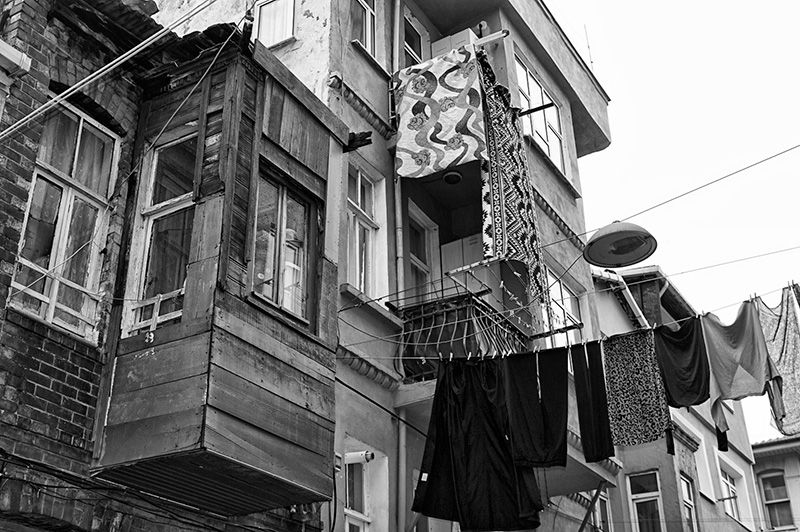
x=615 y=278
x=402 y=466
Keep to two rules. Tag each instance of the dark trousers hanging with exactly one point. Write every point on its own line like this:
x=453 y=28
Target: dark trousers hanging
x=590 y=395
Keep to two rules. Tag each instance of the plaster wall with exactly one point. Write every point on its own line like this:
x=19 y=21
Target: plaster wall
x=306 y=54
x=612 y=320
x=789 y=464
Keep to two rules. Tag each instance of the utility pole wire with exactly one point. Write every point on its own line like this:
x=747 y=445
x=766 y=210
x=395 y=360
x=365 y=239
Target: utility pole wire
x=103 y=71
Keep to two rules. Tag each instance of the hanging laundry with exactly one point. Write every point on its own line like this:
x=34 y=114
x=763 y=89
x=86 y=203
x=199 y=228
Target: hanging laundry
x=590 y=395
x=510 y=228
x=740 y=365
x=683 y=363
x=536 y=388
x=440 y=114
x=468 y=473
x=782 y=335
x=637 y=403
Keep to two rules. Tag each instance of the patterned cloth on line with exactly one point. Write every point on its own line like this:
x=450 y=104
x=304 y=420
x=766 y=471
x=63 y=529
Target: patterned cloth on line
x=782 y=335
x=440 y=114
x=510 y=228
x=637 y=403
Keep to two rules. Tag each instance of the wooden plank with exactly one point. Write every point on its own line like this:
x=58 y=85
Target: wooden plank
x=174 y=361
x=244 y=400
x=271 y=374
x=152 y=437
x=269 y=344
x=163 y=335
x=239 y=441
x=319 y=151
x=153 y=401
x=275 y=155
x=201 y=134
x=275 y=113
x=285 y=77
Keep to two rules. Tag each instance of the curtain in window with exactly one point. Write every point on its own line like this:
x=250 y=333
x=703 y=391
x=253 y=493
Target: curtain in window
x=440 y=114
x=275 y=21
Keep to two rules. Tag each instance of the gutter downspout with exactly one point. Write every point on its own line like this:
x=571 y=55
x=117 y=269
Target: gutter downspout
x=615 y=278
x=402 y=466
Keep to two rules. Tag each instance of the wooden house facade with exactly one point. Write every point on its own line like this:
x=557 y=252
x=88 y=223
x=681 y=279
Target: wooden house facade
x=221 y=388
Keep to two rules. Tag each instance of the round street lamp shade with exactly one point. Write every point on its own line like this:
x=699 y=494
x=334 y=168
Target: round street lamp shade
x=619 y=244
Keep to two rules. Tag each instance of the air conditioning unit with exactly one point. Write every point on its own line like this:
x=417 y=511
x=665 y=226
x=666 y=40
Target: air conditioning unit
x=451 y=42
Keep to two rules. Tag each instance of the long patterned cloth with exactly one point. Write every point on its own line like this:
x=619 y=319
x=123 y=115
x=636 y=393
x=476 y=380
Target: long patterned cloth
x=510 y=229
x=637 y=402
x=440 y=114
x=782 y=335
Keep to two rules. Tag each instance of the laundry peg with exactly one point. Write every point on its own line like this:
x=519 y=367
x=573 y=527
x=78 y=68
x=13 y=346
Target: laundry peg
x=451 y=356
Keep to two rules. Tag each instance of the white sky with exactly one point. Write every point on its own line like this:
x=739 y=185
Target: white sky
x=699 y=90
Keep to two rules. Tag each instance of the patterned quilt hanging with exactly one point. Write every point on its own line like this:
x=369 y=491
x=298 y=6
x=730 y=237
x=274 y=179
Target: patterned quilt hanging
x=440 y=114
x=510 y=229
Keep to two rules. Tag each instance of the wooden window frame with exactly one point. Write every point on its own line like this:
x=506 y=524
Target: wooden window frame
x=635 y=499
x=52 y=274
x=281 y=38
x=369 y=22
x=776 y=501
x=287 y=186
x=361 y=276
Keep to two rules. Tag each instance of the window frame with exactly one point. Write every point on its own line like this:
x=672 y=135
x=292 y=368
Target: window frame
x=424 y=37
x=147 y=215
x=370 y=30
x=774 y=502
x=566 y=317
x=634 y=499
x=597 y=513
x=52 y=274
x=433 y=266
x=286 y=187
x=352 y=516
x=290 y=26
x=688 y=501
x=362 y=276
x=730 y=494
x=552 y=133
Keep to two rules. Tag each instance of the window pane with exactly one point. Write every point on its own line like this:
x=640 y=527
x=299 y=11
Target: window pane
x=355 y=487
x=266 y=234
x=551 y=114
x=76 y=301
x=780 y=514
x=358 y=22
x=295 y=257
x=174 y=174
x=648 y=517
x=556 y=153
x=78 y=250
x=352 y=184
x=363 y=260
x=366 y=197
x=417 y=240
x=688 y=516
x=94 y=159
x=275 y=22
x=170 y=244
x=647 y=483
x=774 y=488
x=59 y=138
x=41 y=226
x=34 y=281
x=412 y=38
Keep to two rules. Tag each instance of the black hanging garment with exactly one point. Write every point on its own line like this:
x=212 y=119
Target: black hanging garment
x=468 y=473
x=683 y=362
x=537 y=407
x=590 y=396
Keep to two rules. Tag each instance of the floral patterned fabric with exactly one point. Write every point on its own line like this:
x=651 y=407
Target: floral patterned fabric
x=637 y=402
x=440 y=114
x=782 y=334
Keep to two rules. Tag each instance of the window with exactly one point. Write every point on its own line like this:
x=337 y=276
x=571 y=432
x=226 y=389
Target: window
x=283 y=248
x=274 y=21
x=355 y=501
x=645 y=501
x=423 y=254
x=416 y=39
x=545 y=125
x=362 y=20
x=601 y=515
x=729 y=497
x=362 y=229
x=58 y=266
x=566 y=310
x=689 y=513
x=165 y=237
x=776 y=500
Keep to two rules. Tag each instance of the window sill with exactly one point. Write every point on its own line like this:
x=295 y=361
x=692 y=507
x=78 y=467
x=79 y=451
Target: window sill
x=371 y=59
x=360 y=300
x=556 y=170
x=280 y=44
